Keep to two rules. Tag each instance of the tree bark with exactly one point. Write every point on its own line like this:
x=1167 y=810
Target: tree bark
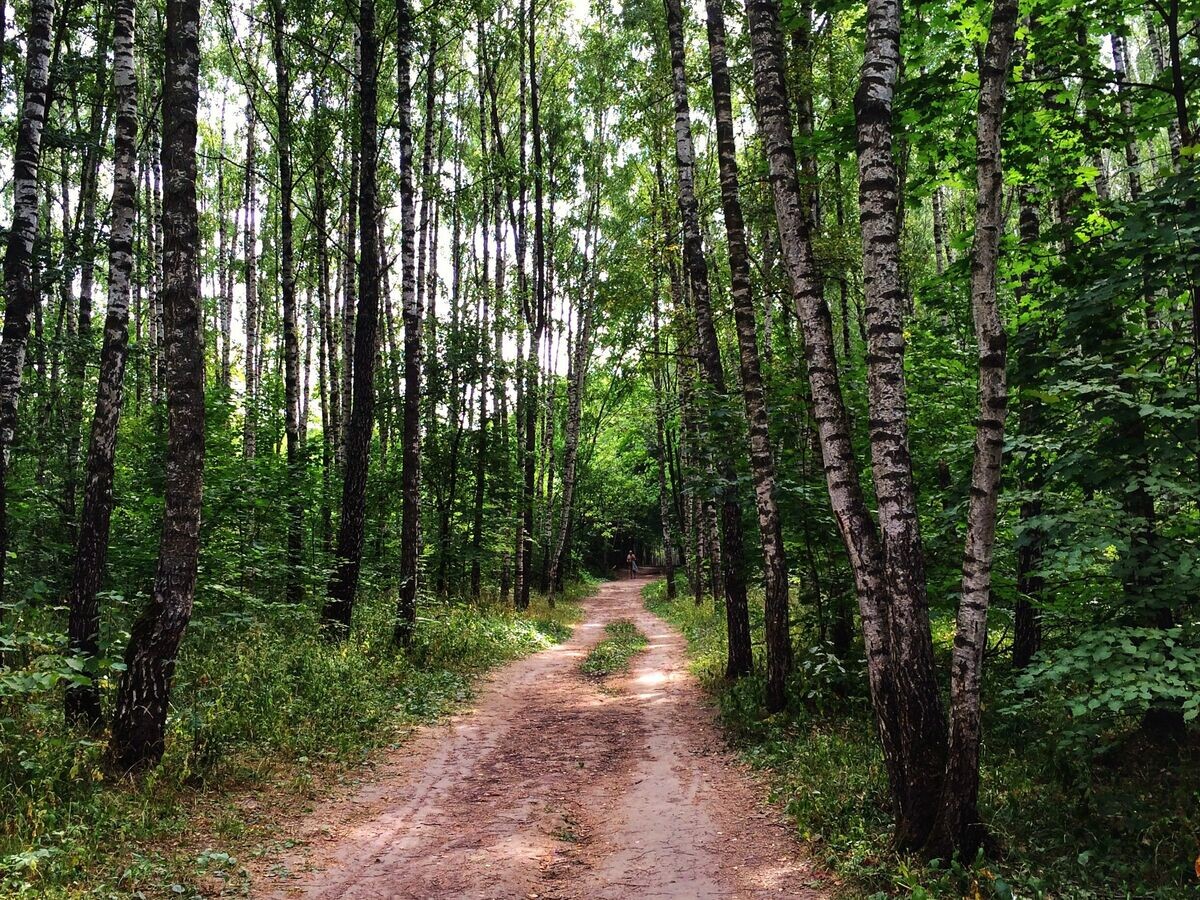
x=343 y=586
x=919 y=708
x=138 y=731
x=957 y=827
x=85 y=243
x=942 y=253
x=1027 y=629
x=291 y=337
x=762 y=463
x=1157 y=54
x=82 y=702
x=846 y=496
x=535 y=317
x=481 y=446
x=224 y=286
x=581 y=356
x=19 y=294
x=250 y=253
x=349 y=267
x=406 y=612
x=156 y=265
x=740 y=659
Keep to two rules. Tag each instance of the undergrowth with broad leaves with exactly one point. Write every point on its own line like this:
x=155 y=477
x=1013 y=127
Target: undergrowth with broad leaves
x=1111 y=817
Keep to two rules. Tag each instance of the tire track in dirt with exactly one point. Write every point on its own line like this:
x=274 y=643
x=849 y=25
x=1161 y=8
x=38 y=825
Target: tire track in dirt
x=556 y=785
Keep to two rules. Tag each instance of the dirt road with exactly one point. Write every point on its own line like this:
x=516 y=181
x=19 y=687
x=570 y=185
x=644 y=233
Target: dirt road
x=558 y=786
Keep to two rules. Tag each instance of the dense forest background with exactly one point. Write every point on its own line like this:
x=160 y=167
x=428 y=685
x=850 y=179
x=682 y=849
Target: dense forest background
x=877 y=327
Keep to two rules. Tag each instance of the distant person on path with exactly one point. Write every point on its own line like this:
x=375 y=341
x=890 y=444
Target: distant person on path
x=631 y=561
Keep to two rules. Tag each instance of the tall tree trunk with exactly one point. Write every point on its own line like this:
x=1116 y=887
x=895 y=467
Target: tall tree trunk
x=1133 y=163
x=535 y=317
x=3 y=42
x=481 y=446
x=156 y=265
x=919 y=708
x=740 y=660
x=291 y=337
x=19 y=294
x=942 y=254
x=581 y=354
x=349 y=262
x=224 y=295
x=82 y=702
x=456 y=399
x=424 y=257
x=330 y=403
x=80 y=351
x=957 y=827
x=1027 y=630
x=762 y=463
x=139 y=725
x=662 y=454
x=410 y=488
x=833 y=423
x=250 y=253
x=683 y=477
x=343 y=585
x=1158 y=56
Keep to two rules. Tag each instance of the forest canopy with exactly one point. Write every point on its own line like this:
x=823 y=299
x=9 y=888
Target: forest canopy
x=340 y=339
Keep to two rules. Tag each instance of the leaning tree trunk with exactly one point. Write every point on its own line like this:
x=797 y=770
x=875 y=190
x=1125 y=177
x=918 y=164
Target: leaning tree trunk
x=919 y=709
x=20 y=296
x=343 y=585
x=410 y=489
x=291 y=342
x=740 y=660
x=957 y=827
x=139 y=724
x=82 y=702
x=833 y=422
x=762 y=464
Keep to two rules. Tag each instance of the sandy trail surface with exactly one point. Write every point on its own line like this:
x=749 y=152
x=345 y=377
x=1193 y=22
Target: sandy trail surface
x=557 y=785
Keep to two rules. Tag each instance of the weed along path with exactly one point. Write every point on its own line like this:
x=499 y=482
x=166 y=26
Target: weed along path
x=558 y=784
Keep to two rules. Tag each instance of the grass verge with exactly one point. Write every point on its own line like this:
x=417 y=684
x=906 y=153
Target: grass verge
x=613 y=653
x=1120 y=824
x=265 y=715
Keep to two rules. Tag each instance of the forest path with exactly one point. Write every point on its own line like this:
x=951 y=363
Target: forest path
x=557 y=785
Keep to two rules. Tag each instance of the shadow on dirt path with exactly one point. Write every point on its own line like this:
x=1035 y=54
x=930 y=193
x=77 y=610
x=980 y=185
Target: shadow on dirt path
x=556 y=785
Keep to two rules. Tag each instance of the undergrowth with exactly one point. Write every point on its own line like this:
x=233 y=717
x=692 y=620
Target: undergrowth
x=613 y=653
x=1122 y=823
x=260 y=700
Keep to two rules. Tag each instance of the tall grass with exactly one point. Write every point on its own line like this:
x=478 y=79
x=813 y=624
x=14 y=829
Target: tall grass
x=260 y=698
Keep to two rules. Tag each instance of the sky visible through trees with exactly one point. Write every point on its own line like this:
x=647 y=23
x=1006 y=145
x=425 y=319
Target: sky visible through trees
x=337 y=332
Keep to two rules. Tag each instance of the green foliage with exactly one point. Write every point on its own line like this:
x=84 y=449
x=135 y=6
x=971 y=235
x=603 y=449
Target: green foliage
x=1112 y=676
x=1119 y=822
x=613 y=654
x=262 y=698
